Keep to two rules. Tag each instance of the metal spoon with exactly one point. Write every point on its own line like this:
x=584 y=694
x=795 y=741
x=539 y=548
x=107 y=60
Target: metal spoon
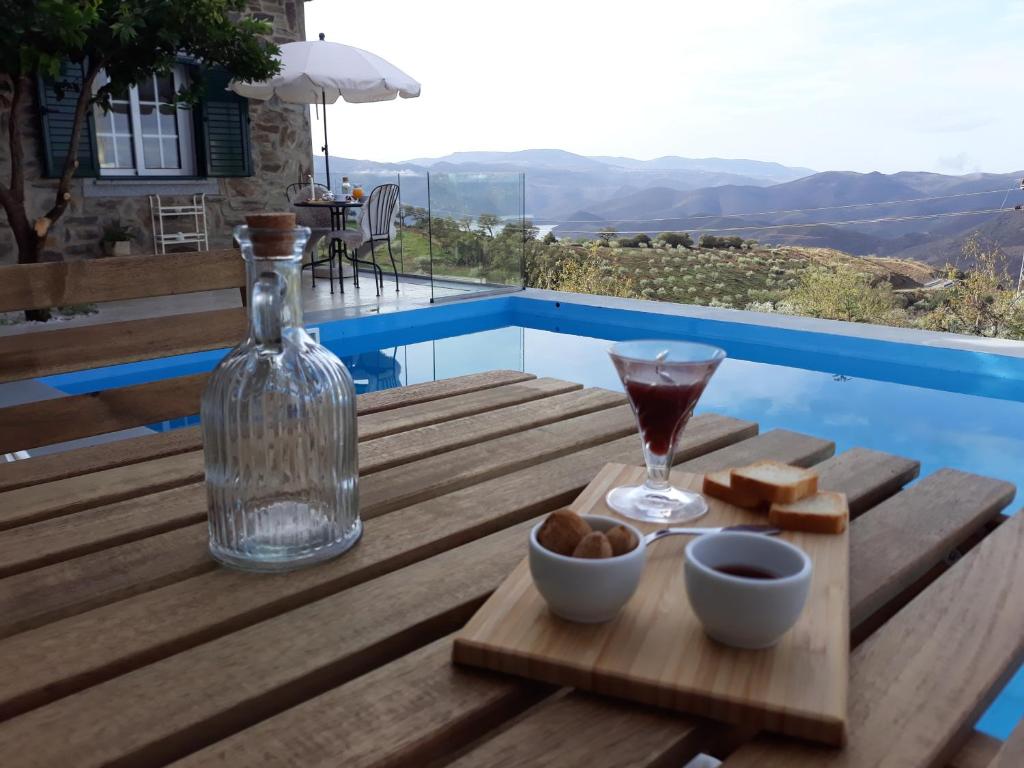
x=764 y=530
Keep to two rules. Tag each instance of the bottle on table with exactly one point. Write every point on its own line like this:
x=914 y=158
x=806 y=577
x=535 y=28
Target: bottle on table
x=346 y=189
x=279 y=423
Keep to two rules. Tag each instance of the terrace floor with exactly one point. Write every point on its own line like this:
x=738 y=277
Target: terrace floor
x=413 y=292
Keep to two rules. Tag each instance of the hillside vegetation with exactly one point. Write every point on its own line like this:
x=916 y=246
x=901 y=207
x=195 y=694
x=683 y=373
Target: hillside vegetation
x=732 y=277
x=981 y=299
x=816 y=282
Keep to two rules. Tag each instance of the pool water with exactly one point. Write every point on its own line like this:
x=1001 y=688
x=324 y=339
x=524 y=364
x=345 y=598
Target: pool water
x=942 y=429
x=913 y=403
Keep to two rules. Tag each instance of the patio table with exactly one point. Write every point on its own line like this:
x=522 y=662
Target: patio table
x=338 y=208
x=123 y=643
x=339 y=221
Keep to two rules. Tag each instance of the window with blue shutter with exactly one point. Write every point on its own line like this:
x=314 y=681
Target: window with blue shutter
x=57 y=113
x=146 y=131
x=224 y=128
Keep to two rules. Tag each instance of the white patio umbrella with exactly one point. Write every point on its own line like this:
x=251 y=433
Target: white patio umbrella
x=318 y=72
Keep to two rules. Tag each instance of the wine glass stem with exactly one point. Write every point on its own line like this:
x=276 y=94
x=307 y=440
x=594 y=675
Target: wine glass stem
x=658 y=467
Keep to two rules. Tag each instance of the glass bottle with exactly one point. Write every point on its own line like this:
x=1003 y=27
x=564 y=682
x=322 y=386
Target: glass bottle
x=346 y=189
x=279 y=423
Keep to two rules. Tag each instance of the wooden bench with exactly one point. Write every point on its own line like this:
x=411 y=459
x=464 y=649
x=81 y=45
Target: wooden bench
x=121 y=635
x=54 y=350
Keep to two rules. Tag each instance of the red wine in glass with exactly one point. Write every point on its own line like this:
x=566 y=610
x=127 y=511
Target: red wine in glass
x=662 y=411
x=663 y=380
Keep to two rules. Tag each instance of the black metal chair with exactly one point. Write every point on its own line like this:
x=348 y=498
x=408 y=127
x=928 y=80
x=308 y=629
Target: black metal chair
x=376 y=224
x=319 y=222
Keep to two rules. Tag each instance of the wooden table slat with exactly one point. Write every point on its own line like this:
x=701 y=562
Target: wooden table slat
x=50 y=467
x=921 y=681
x=45 y=353
x=933 y=516
x=45 y=422
x=394 y=420
x=978 y=751
x=553 y=402
x=1011 y=754
x=59 y=283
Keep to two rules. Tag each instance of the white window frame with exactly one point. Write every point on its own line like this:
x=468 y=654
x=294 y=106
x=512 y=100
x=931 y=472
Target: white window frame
x=186 y=138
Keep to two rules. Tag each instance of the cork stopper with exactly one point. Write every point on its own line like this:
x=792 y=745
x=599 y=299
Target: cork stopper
x=272 y=234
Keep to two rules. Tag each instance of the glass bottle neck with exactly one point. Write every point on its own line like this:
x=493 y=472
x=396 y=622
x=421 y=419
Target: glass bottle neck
x=289 y=272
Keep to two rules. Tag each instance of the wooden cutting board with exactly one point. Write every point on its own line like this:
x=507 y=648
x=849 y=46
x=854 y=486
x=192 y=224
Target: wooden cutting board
x=655 y=652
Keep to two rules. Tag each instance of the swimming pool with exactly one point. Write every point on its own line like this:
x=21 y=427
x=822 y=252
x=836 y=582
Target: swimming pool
x=946 y=407
x=943 y=407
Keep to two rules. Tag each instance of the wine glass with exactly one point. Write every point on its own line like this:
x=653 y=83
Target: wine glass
x=663 y=380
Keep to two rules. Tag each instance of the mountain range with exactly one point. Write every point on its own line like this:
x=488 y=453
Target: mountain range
x=577 y=196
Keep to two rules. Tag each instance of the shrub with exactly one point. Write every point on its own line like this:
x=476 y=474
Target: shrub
x=634 y=242
x=844 y=294
x=676 y=239
x=713 y=241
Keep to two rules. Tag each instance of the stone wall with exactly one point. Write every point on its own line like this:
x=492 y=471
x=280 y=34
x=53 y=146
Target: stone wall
x=281 y=154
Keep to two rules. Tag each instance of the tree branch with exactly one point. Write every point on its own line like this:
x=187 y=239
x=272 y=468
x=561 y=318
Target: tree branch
x=63 y=197
x=12 y=199
x=17 y=188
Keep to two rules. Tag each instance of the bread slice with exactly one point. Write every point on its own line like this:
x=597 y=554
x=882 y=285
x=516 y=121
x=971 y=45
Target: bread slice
x=718 y=485
x=775 y=482
x=824 y=512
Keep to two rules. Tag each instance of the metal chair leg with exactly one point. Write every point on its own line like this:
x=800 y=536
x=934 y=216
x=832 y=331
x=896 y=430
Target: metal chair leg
x=378 y=277
x=354 y=263
x=330 y=269
x=341 y=272
x=394 y=267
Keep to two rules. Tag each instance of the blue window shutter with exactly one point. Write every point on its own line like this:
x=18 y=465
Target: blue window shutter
x=224 y=128
x=57 y=113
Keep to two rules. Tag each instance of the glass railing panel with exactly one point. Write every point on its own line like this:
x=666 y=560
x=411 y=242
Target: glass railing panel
x=476 y=228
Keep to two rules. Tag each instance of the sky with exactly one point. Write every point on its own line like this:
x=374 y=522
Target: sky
x=861 y=85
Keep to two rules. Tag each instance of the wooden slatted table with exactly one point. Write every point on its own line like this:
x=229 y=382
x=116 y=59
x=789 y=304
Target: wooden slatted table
x=122 y=643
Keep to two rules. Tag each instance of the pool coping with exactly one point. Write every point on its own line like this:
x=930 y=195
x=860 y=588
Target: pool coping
x=939 y=339
x=908 y=356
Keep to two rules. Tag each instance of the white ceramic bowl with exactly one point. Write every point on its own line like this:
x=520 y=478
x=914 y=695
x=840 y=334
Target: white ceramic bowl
x=746 y=612
x=584 y=590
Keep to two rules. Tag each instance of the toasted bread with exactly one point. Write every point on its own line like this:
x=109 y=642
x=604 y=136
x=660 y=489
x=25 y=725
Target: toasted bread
x=824 y=512
x=775 y=482
x=718 y=485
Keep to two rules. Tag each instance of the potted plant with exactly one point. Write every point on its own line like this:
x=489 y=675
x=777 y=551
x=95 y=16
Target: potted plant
x=117 y=239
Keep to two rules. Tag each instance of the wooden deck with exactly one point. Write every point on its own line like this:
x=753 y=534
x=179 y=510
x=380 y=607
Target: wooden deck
x=122 y=643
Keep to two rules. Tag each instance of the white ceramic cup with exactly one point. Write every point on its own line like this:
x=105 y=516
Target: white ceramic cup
x=585 y=590
x=740 y=611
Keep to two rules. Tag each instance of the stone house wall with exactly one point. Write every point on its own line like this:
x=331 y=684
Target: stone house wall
x=281 y=154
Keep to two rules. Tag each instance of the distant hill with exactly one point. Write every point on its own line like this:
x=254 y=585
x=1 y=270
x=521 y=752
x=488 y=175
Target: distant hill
x=757 y=169
x=559 y=181
x=579 y=195
x=522 y=160
x=809 y=211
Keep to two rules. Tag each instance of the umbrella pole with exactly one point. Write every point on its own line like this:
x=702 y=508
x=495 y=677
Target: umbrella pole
x=327 y=157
